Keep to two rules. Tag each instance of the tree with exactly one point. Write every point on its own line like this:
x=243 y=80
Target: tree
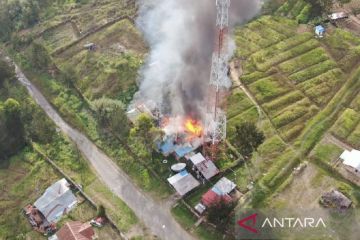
x=323 y=6
x=248 y=138
x=220 y=212
x=11 y=128
x=111 y=116
x=41 y=129
x=146 y=131
x=68 y=75
x=39 y=56
x=6 y=72
x=101 y=211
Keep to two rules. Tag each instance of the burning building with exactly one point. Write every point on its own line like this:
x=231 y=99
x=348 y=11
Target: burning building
x=187 y=47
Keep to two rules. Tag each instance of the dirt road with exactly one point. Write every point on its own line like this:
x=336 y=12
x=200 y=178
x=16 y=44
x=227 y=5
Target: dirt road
x=156 y=216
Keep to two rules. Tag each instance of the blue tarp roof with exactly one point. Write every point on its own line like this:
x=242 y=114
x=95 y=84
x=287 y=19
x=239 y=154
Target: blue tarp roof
x=182 y=151
x=167 y=146
x=183 y=173
x=319 y=29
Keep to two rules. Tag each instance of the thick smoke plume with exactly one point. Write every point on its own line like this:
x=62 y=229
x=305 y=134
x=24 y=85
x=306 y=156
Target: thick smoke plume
x=181 y=35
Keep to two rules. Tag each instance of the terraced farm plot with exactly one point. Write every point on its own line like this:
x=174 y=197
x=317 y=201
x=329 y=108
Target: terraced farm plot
x=58 y=37
x=294 y=77
x=268 y=88
x=251 y=40
x=344 y=47
x=112 y=69
x=238 y=102
x=320 y=89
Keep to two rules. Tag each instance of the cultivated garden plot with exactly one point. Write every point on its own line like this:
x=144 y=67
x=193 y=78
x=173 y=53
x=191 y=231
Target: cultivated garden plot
x=294 y=77
x=111 y=69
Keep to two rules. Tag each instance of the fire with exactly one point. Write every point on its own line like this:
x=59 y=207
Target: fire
x=193 y=126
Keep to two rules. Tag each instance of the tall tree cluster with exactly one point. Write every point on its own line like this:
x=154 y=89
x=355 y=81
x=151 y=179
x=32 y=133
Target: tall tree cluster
x=17 y=15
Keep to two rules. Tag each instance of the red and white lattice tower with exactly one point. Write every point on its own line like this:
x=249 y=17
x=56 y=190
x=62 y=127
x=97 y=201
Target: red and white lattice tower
x=219 y=85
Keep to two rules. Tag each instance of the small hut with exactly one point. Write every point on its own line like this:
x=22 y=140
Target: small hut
x=335 y=199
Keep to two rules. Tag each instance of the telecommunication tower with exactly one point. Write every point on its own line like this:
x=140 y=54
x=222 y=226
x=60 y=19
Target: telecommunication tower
x=219 y=85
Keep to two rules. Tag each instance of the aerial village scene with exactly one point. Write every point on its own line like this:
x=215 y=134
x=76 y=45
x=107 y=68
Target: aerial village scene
x=179 y=119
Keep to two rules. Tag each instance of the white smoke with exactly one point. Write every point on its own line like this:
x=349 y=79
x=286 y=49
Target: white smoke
x=181 y=35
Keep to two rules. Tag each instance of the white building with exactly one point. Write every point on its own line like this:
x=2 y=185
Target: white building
x=351 y=160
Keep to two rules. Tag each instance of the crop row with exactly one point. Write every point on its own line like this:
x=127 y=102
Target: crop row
x=321 y=88
x=346 y=123
x=303 y=61
x=267 y=33
x=291 y=130
x=265 y=64
x=280 y=103
x=312 y=71
x=268 y=88
x=237 y=103
x=292 y=113
x=280 y=25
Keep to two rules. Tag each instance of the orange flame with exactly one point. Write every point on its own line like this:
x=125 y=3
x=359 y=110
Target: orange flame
x=193 y=126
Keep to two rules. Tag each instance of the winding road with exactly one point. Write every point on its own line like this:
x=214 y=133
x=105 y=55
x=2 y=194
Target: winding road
x=155 y=215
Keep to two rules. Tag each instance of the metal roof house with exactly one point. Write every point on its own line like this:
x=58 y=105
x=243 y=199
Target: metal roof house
x=220 y=191
x=335 y=199
x=74 y=231
x=337 y=16
x=57 y=200
x=183 y=182
x=206 y=167
x=351 y=159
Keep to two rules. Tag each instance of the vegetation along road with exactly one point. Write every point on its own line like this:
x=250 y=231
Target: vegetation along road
x=156 y=216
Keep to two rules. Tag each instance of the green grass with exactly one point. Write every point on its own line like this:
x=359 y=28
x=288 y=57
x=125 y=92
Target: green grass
x=183 y=216
x=121 y=214
x=23 y=181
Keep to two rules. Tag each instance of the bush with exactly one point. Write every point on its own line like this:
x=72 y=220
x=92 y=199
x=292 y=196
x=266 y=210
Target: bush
x=101 y=211
x=304 y=15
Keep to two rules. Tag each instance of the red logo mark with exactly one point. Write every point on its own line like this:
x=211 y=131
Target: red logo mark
x=247 y=227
